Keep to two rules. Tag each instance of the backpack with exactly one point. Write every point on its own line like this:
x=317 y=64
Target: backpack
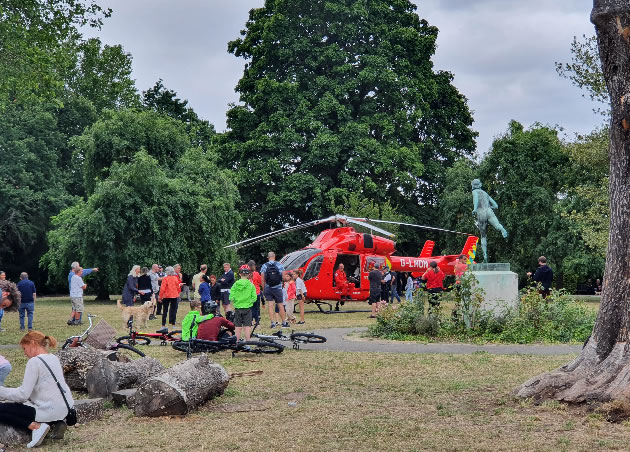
x=272 y=275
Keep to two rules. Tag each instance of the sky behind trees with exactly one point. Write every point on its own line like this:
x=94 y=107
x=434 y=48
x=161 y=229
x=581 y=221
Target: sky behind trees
x=502 y=53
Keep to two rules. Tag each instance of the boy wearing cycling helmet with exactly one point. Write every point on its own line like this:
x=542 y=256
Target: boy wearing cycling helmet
x=243 y=296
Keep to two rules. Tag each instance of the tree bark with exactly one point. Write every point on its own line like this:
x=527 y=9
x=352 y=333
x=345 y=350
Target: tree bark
x=602 y=371
x=88 y=369
x=181 y=388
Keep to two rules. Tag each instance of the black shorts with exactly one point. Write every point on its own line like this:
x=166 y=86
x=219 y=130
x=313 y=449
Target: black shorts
x=300 y=297
x=274 y=294
x=243 y=317
x=374 y=298
x=225 y=298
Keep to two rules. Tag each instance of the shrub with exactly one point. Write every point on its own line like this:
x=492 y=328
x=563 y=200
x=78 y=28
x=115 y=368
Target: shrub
x=558 y=318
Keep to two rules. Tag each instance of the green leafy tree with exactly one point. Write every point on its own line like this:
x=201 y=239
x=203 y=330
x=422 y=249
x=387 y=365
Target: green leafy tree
x=35 y=36
x=142 y=214
x=341 y=97
x=102 y=74
x=585 y=71
x=523 y=172
x=162 y=100
x=32 y=187
x=119 y=135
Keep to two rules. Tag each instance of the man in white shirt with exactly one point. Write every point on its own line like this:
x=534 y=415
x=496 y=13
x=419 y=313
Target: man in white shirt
x=77 y=286
x=196 y=281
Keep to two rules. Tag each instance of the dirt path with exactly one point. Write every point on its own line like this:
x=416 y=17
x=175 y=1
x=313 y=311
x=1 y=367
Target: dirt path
x=343 y=339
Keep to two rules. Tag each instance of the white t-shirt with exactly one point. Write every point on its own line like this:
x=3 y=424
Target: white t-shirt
x=76 y=286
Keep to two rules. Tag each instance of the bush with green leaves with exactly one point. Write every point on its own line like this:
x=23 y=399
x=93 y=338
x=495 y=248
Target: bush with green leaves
x=557 y=318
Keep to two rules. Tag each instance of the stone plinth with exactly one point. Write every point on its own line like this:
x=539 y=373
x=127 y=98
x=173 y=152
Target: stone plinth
x=500 y=286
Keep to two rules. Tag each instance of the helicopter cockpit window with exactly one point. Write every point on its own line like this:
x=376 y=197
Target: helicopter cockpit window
x=377 y=261
x=297 y=259
x=313 y=268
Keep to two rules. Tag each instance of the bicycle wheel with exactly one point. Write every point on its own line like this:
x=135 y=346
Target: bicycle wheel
x=182 y=346
x=259 y=347
x=308 y=338
x=138 y=340
x=175 y=335
x=126 y=353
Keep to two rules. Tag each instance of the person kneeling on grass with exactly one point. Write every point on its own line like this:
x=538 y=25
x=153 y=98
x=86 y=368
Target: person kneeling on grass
x=243 y=296
x=39 y=401
x=191 y=322
x=218 y=328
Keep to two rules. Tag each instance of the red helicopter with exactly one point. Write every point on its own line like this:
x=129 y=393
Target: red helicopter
x=357 y=252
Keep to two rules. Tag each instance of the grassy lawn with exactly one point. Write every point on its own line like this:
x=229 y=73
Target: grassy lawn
x=345 y=401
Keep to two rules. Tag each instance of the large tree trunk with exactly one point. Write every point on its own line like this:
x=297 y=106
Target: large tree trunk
x=181 y=388
x=89 y=369
x=602 y=371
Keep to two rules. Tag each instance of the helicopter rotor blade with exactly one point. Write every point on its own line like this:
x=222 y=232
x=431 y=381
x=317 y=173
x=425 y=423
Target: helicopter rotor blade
x=269 y=235
x=365 y=224
x=413 y=225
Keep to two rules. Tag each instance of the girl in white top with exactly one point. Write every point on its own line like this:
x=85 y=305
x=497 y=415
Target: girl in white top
x=300 y=292
x=38 y=401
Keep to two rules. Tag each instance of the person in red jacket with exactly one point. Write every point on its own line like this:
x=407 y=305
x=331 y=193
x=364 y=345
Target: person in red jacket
x=169 y=292
x=434 y=278
x=216 y=328
x=341 y=281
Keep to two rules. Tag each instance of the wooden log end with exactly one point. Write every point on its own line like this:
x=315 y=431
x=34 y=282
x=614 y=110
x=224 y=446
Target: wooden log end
x=89 y=409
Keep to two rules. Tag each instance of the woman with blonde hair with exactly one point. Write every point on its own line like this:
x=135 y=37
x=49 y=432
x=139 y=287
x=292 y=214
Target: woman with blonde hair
x=39 y=401
x=131 y=286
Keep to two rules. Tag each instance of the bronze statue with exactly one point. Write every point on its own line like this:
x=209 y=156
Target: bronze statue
x=483 y=210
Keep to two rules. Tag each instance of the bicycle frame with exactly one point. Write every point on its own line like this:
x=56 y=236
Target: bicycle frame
x=82 y=335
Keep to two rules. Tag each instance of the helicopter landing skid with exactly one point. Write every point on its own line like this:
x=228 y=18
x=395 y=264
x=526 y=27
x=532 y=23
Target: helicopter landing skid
x=320 y=305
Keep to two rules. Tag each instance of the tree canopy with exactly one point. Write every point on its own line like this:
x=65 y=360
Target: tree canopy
x=142 y=213
x=341 y=97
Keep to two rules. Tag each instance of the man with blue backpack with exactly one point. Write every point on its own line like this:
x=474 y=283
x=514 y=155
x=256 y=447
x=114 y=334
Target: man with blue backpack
x=271 y=276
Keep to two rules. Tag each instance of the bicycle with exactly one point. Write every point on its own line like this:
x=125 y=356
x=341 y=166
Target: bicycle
x=139 y=338
x=122 y=352
x=297 y=338
x=204 y=346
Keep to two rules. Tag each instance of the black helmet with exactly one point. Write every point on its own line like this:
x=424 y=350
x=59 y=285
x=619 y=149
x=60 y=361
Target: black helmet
x=209 y=307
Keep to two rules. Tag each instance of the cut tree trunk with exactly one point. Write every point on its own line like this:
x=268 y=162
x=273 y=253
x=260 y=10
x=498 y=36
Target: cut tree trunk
x=181 y=389
x=13 y=436
x=88 y=369
x=89 y=410
x=602 y=371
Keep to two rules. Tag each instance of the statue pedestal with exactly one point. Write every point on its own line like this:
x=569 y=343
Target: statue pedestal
x=500 y=286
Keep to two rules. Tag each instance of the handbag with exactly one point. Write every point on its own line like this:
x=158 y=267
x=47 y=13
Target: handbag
x=71 y=418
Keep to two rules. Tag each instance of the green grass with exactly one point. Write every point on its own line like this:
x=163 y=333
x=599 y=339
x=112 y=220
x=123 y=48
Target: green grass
x=344 y=401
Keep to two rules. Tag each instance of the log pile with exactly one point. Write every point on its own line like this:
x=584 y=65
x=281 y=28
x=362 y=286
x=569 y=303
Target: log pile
x=181 y=388
x=89 y=369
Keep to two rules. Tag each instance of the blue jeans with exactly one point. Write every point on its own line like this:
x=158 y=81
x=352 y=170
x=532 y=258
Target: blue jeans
x=4 y=371
x=394 y=294
x=26 y=308
x=1 y=314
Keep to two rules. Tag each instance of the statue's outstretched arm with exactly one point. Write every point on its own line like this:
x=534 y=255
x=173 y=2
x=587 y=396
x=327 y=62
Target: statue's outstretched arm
x=493 y=203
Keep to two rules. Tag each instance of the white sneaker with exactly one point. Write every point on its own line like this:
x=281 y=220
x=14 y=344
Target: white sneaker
x=39 y=435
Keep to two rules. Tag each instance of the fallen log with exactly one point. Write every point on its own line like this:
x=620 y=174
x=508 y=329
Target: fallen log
x=89 y=409
x=125 y=397
x=181 y=389
x=91 y=370
x=10 y=435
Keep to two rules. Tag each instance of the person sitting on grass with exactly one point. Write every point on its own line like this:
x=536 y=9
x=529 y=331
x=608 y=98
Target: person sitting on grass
x=243 y=296
x=218 y=328
x=39 y=400
x=191 y=322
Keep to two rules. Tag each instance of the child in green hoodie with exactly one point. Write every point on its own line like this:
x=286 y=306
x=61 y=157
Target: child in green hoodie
x=192 y=320
x=243 y=296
